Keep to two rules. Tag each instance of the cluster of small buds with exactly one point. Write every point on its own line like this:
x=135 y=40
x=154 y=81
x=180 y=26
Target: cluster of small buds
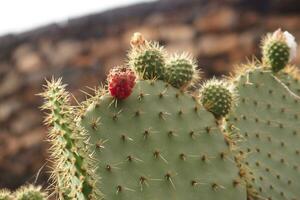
x=121 y=81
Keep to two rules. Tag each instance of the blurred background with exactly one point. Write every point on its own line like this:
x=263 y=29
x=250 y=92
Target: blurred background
x=81 y=40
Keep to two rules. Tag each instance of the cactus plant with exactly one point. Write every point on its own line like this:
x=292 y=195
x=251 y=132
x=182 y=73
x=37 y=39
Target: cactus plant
x=26 y=192
x=5 y=194
x=69 y=172
x=149 y=138
x=30 y=192
x=156 y=144
x=267 y=119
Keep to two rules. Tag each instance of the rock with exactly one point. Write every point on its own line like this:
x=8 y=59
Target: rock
x=8 y=107
x=25 y=120
x=212 y=45
x=286 y=22
x=10 y=83
x=103 y=48
x=61 y=54
x=27 y=59
x=176 y=33
x=180 y=47
x=222 y=19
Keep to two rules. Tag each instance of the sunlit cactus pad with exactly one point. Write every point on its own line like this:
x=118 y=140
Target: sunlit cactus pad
x=159 y=144
x=268 y=119
x=290 y=76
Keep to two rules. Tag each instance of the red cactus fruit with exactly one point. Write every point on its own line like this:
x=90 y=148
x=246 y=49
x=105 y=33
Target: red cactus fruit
x=121 y=81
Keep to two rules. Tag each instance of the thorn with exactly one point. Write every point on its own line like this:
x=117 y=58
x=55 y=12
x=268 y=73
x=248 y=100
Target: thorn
x=119 y=189
x=182 y=156
x=169 y=178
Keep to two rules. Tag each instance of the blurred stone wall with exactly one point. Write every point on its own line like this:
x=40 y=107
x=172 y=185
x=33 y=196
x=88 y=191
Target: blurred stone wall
x=218 y=33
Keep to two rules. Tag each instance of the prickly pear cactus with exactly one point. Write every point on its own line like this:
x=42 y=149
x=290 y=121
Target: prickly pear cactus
x=267 y=118
x=30 y=192
x=5 y=194
x=159 y=144
x=66 y=152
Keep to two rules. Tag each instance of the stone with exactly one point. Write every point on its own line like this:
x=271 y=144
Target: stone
x=10 y=83
x=8 y=107
x=217 y=20
x=212 y=45
x=177 y=33
x=25 y=120
x=27 y=59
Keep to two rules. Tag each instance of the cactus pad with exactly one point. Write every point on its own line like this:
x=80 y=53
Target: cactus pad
x=268 y=120
x=290 y=76
x=5 y=194
x=30 y=192
x=159 y=144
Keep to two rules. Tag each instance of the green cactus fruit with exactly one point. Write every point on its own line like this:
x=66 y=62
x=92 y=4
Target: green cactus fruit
x=158 y=144
x=30 y=192
x=276 y=53
x=278 y=49
x=5 y=194
x=181 y=71
x=268 y=121
x=67 y=152
x=148 y=61
x=218 y=97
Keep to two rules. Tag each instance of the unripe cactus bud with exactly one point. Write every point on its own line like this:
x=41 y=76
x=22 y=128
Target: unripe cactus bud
x=278 y=49
x=121 y=81
x=217 y=97
x=147 y=59
x=181 y=71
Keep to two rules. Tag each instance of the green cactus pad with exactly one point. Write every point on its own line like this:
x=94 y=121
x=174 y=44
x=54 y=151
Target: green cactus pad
x=148 y=61
x=30 y=192
x=181 y=71
x=217 y=97
x=66 y=152
x=268 y=120
x=158 y=144
x=290 y=76
x=5 y=195
x=276 y=53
